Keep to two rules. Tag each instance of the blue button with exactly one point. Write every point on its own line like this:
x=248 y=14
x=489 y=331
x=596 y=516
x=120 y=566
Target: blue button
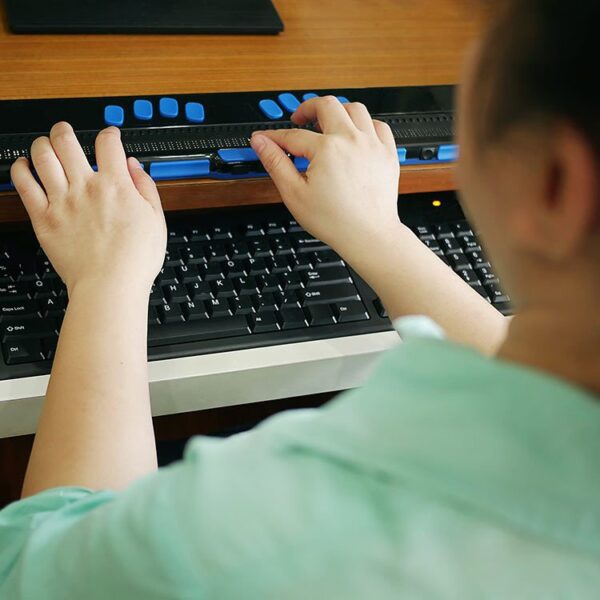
x=289 y=101
x=168 y=108
x=402 y=154
x=270 y=109
x=343 y=99
x=114 y=115
x=142 y=110
x=233 y=155
x=194 y=112
x=309 y=95
x=301 y=163
x=448 y=153
x=179 y=169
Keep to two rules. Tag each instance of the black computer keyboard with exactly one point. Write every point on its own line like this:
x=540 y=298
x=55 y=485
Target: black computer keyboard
x=232 y=279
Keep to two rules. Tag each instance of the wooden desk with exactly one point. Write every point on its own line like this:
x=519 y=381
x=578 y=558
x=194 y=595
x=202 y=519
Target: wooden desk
x=326 y=43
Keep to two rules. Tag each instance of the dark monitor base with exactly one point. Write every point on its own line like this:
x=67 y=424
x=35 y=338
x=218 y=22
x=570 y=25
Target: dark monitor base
x=150 y=16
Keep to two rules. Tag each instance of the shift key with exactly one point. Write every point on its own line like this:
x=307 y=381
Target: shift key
x=331 y=293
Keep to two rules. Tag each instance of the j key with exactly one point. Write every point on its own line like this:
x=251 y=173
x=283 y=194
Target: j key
x=17 y=310
x=29 y=328
x=223 y=288
x=291 y=281
x=270 y=283
x=264 y=322
x=176 y=292
x=170 y=313
x=201 y=330
x=450 y=245
x=319 y=315
x=218 y=307
x=292 y=318
x=194 y=311
x=49 y=346
x=16 y=352
x=346 y=312
x=326 y=276
x=327 y=294
x=457 y=260
x=241 y=306
x=495 y=293
x=13 y=291
x=246 y=286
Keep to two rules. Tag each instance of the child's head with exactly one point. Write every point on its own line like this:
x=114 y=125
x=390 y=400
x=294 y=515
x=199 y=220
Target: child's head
x=529 y=132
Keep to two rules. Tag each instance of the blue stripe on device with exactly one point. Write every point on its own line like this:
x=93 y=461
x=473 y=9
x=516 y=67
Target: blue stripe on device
x=301 y=163
x=194 y=112
x=179 y=169
x=289 y=101
x=343 y=99
x=234 y=155
x=447 y=153
x=114 y=115
x=401 y=154
x=168 y=108
x=309 y=96
x=270 y=109
x=142 y=110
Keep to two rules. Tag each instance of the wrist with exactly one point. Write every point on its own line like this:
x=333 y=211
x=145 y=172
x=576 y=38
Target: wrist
x=109 y=289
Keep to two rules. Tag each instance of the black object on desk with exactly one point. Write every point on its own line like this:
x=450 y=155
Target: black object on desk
x=150 y=16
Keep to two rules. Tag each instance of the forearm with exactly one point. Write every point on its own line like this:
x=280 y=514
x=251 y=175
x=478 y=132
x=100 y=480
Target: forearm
x=410 y=279
x=95 y=429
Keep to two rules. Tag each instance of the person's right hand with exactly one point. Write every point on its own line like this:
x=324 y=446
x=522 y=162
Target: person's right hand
x=350 y=191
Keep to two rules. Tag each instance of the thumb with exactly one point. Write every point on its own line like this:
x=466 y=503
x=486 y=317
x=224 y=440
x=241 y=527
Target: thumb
x=143 y=182
x=278 y=165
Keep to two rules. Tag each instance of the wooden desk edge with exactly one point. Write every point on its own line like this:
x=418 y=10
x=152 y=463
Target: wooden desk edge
x=186 y=195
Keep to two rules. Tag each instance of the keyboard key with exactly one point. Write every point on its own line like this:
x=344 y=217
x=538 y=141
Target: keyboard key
x=326 y=276
x=167 y=275
x=49 y=345
x=17 y=310
x=462 y=228
x=268 y=301
x=176 y=292
x=346 y=312
x=194 y=311
x=457 y=260
x=52 y=307
x=480 y=290
x=381 y=311
x=504 y=307
x=223 y=288
x=218 y=307
x=256 y=266
x=495 y=293
x=327 y=258
x=28 y=328
x=319 y=315
x=443 y=231
x=328 y=294
x=191 y=331
x=468 y=275
x=199 y=290
x=291 y=281
x=450 y=245
x=264 y=322
x=293 y=318
x=170 y=313
x=22 y=351
x=242 y=305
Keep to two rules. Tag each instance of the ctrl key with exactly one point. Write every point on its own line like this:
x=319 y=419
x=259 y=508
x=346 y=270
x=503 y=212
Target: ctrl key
x=24 y=351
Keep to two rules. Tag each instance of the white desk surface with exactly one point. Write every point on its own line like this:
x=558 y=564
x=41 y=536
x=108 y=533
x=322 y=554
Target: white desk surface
x=224 y=379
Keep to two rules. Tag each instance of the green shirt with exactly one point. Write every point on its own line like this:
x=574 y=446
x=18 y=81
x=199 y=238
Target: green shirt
x=448 y=475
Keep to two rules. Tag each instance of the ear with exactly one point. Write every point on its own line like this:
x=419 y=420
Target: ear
x=563 y=209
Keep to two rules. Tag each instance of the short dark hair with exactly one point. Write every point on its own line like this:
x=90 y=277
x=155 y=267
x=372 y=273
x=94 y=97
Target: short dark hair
x=538 y=65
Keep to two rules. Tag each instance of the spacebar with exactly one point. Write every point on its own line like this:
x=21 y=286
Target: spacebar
x=195 y=331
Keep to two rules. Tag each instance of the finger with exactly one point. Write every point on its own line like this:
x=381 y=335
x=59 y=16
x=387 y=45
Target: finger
x=110 y=155
x=69 y=152
x=360 y=116
x=384 y=133
x=33 y=196
x=143 y=182
x=48 y=168
x=276 y=162
x=327 y=111
x=298 y=142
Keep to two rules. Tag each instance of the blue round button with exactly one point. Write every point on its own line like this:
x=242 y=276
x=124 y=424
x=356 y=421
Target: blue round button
x=270 y=109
